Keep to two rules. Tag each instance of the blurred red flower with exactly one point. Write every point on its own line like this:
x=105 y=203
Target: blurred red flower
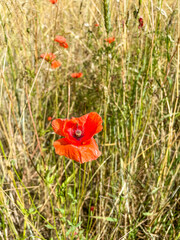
x=49 y=57
x=53 y=1
x=64 y=45
x=96 y=25
x=62 y=41
x=76 y=75
x=92 y=208
x=78 y=142
x=49 y=118
x=140 y=22
x=55 y=64
x=110 y=40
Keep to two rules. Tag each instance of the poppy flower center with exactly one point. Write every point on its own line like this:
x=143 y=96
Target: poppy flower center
x=78 y=133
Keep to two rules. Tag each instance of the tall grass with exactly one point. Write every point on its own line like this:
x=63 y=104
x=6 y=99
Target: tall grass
x=132 y=190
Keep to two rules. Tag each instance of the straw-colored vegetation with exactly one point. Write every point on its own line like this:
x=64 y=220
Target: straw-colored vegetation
x=131 y=191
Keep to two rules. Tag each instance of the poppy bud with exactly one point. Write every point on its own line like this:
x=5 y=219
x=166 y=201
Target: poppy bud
x=140 y=22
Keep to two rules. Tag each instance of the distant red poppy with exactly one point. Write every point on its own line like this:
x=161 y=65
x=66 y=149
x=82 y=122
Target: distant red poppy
x=92 y=208
x=55 y=64
x=110 y=40
x=48 y=56
x=49 y=118
x=53 y=1
x=78 y=143
x=76 y=75
x=96 y=25
x=62 y=41
x=140 y=22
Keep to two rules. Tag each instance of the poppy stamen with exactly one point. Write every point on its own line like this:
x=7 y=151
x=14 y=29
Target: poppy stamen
x=78 y=133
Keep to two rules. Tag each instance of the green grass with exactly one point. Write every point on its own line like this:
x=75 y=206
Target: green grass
x=132 y=83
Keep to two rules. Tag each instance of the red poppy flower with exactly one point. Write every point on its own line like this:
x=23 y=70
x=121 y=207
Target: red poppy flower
x=110 y=40
x=49 y=118
x=48 y=56
x=78 y=142
x=92 y=208
x=76 y=75
x=62 y=41
x=55 y=64
x=53 y=1
x=96 y=25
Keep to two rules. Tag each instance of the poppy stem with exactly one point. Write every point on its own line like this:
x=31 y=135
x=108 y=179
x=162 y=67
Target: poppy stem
x=69 y=96
x=82 y=190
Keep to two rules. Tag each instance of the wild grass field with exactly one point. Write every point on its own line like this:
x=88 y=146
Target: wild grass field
x=132 y=190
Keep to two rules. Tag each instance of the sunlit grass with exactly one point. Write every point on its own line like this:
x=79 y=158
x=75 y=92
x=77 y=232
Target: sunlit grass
x=133 y=83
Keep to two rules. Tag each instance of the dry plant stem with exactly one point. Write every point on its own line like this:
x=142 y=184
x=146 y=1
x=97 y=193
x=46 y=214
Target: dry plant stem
x=36 y=42
x=53 y=43
x=30 y=112
x=57 y=9
x=124 y=180
x=124 y=40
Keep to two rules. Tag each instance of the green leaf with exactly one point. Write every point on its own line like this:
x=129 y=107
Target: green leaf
x=109 y=219
x=32 y=210
x=147 y=214
x=72 y=229
x=49 y=226
x=61 y=210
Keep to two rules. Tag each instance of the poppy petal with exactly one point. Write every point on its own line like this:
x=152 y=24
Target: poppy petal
x=81 y=120
x=110 y=40
x=64 y=45
x=81 y=154
x=60 y=39
x=92 y=126
x=53 y=1
x=76 y=75
x=55 y=64
x=58 y=126
x=71 y=125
